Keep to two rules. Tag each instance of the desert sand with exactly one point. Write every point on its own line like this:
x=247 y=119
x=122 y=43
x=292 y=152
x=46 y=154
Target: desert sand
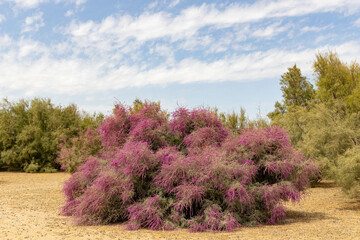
x=30 y=206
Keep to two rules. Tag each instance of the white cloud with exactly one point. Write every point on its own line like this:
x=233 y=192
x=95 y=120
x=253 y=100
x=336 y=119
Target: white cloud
x=5 y=42
x=117 y=30
x=153 y=4
x=164 y=51
x=30 y=65
x=315 y=28
x=324 y=38
x=347 y=51
x=26 y=3
x=2 y=18
x=196 y=43
x=33 y=23
x=357 y=22
x=69 y=13
x=76 y=2
x=108 y=55
x=270 y=31
x=223 y=44
x=174 y=3
x=30 y=49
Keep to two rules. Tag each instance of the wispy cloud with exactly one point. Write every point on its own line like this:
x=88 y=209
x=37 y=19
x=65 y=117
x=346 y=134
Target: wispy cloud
x=2 y=18
x=69 y=13
x=187 y=24
x=315 y=28
x=76 y=2
x=174 y=3
x=153 y=4
x=28 y=4
x=33 y=23
x=357 y=22
x=74 y=75
x=270 y=31
x=5 y=42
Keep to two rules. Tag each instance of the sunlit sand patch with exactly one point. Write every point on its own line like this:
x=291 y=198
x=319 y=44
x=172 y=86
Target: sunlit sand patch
x=30 y=206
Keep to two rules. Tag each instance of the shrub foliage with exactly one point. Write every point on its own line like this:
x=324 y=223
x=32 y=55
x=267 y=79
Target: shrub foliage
x=188 y=170
x=31 y=131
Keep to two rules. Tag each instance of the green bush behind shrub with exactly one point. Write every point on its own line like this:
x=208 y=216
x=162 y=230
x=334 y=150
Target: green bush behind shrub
x=31 y=131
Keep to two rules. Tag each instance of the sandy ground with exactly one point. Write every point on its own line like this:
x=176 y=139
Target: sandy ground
x=29 y=209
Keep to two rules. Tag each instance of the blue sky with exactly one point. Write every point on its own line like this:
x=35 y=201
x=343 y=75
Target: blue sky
x=228 y=54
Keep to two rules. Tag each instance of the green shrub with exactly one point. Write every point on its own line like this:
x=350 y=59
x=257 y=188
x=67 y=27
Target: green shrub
x=31 y=131
x=237 y=122
x=348 y=172
x=32 y=168
x=326 y=137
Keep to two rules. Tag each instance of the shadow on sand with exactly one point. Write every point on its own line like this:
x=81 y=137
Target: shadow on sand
x=325 y=184
x=299 y=216
x=352 y=205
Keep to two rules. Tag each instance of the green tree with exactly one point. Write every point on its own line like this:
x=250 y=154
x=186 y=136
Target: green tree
x=337 y=82
x=324 y=123
x=296 y=91
x=327 y=136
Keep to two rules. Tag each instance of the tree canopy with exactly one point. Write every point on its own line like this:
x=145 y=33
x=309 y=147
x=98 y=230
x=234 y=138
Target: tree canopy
x=324 y=122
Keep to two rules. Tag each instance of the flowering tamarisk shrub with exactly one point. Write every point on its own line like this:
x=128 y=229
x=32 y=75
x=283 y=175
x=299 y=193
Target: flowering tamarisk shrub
x=115 y=128
x=186 y=171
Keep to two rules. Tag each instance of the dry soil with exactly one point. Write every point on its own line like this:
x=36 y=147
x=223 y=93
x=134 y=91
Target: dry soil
x=30 y=203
